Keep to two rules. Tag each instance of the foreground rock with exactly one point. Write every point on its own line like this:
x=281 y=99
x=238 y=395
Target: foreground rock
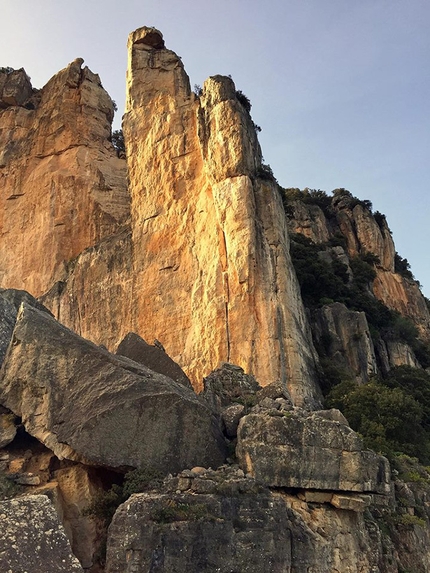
x=32 y=538
x=223 y=531
x=87 y=405
x=309 y=450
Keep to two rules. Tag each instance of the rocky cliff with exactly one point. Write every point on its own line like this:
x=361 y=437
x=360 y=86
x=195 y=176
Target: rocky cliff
x=267 y=298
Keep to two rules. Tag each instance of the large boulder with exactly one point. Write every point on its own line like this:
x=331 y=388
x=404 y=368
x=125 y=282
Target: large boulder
x=315 y=450
x=32 y=538
x=88 y=405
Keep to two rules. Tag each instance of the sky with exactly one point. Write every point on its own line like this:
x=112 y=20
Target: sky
x=340 y=88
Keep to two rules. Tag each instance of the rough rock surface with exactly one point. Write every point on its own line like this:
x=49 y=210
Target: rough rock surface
x=32 y=538
x=15 y=87
x=346 y=339
x=153 y=357
x=195 y=533
x=88 y=405
x=63 y=187
x=364 y=234
x=211 y=252
x=309 y=450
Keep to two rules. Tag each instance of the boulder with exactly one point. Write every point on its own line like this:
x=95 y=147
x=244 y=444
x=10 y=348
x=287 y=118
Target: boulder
x=309 y=451
x=88 y=405
x=153 y=357
x=229 y=384
x=15 y=87
x=32 y=538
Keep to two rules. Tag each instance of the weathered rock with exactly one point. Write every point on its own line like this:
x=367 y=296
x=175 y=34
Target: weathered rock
x=63 y=187
x=310 y=451
x=32 y=538
x=346 y=339
x=229 y=384
x=231 y=416
x=77 y=490
x=153 y=357
x=196 y=533
x=88 y=405
x=15 y=87
x=212 y=249
x=7 y=428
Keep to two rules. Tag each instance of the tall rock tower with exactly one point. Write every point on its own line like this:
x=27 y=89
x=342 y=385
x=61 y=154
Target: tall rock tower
x=213 y=279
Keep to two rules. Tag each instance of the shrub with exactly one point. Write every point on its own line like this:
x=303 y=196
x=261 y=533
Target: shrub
x=402 y=267
x=243 y=100
x=118 y=142
x=176 y=511
x=198 y=90
x=389 y=419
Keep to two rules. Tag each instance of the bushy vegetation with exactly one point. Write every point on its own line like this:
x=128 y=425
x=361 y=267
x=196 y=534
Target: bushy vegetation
x=392 y=414
x=135 y=481
x=118 y=142
x=176 y=511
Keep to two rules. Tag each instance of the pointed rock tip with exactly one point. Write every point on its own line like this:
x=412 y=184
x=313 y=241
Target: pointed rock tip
x=149 y=36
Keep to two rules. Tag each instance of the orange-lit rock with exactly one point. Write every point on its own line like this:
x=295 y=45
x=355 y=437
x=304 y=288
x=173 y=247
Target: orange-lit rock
x=213 y=277
x=63 y=188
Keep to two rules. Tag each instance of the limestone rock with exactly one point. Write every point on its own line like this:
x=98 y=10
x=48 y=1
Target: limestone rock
x=347 y=340
x=33 y=539
x=153 y=357
x=229 y=384
x=63 y=188
x=88 y=405
x=311 y=451
x=7 y=428
x=210 y=251
x=15 y=87
x=196 y=533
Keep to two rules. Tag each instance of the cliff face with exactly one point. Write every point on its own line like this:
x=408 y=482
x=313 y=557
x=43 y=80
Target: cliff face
x=63 y=188
x=192 y=247
x=214 y=281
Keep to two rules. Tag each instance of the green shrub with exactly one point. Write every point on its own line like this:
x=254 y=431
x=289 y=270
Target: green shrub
x=176 y=511
x=389 y=419
x=118 y=141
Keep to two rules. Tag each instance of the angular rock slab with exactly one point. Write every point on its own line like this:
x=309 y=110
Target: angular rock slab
x=210 y=533
x=153 y=357
x=311 y=451
x=88 y=405
x=32 y=539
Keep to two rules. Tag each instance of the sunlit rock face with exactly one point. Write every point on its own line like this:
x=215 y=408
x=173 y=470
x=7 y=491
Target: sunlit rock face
x=63 y=188
x=213 y=277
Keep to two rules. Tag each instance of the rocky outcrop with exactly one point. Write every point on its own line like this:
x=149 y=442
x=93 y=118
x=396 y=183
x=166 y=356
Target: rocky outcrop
x=225 y=530
x=63 y=188
x=32 y=538
x=309 y=450
x=85 y=404
x=15 y=88
x=352 y=221
x=344 y=337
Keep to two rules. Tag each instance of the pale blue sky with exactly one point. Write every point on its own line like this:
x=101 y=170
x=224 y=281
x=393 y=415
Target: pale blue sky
x=341 y=88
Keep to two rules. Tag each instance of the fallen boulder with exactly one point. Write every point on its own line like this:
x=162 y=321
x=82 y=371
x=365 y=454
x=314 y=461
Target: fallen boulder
x=88 y=405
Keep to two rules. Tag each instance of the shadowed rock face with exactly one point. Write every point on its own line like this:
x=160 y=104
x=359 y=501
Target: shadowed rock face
x=87 y=405
x=32 y=538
